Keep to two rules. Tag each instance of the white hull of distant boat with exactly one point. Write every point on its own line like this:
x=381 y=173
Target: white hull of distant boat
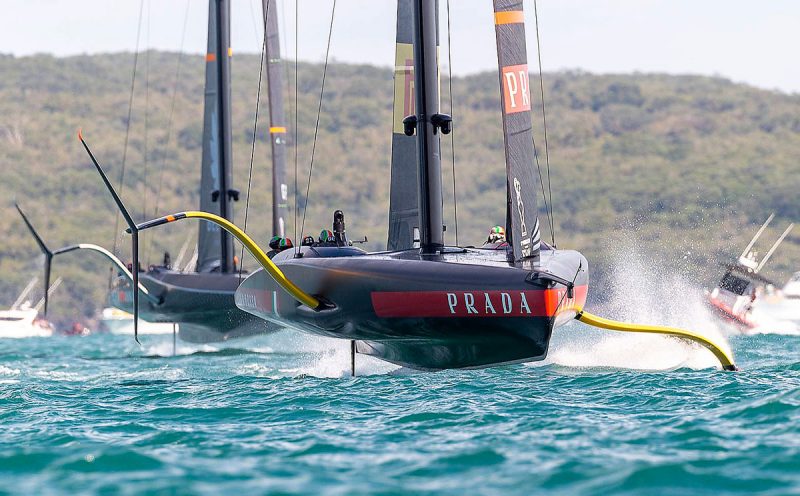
x=117 y=321
x=779 y=313
x=23 y=323
x=762 y=309
x=752 y=302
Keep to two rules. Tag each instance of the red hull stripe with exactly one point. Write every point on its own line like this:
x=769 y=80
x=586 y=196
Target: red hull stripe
x=476 y=303
x=728 y=313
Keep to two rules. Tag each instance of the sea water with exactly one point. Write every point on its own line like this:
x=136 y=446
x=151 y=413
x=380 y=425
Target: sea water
x=605 y=414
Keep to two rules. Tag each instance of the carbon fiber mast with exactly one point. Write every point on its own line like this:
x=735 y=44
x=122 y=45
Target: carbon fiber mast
x=522 y=219
x=428 y=122
x=277 y=119
x=215 y=246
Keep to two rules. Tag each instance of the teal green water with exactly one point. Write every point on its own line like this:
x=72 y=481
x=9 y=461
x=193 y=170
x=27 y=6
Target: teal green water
x=99 y=415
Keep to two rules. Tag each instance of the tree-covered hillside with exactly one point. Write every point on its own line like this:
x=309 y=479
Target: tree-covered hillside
x=678 y=169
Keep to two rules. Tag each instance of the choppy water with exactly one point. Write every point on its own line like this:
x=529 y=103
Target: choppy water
x=99 y=415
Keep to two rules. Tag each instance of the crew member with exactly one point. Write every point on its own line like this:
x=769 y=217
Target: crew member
x=496 y=239
x=277 y=244
x=326 y=238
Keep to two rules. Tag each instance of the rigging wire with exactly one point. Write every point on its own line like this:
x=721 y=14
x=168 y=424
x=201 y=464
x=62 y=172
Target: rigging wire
x=287 y=90
x=146 y=121
x=172 y=108
x=253 y=17
x=541 y=182
x=319 y=113
x=127 y=135
x=544 y=121
x=255 y=137
x=296 y=44
x=452 y=131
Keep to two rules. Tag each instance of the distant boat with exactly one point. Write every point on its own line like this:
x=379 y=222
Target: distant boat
x=116 y=321
x=201 y=300
x=22 y=320
x=791 y=289
x=23 y=323
x=747 y=299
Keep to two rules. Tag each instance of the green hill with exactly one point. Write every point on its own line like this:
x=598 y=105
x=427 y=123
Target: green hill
x=679 y=169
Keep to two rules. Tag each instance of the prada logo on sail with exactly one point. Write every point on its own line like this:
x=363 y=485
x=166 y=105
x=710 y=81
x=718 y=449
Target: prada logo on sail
x=525 y=242
x=516 y=91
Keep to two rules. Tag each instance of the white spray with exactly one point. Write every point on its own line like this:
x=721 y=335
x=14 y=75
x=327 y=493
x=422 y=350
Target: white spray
x=641 y=291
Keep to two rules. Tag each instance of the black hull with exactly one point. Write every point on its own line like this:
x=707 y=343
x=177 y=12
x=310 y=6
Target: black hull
x=202 y=304
x=464 y=309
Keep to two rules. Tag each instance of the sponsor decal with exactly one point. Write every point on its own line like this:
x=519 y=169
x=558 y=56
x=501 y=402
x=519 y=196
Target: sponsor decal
x=245 y=300
x=516 y=90
x=403 y=84
x=259 y=300
x=525 y=242
x=477 y=303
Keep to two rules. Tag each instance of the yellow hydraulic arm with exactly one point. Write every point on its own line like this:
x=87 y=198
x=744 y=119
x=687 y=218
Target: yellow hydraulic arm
x=593 y=320
x=252 y=247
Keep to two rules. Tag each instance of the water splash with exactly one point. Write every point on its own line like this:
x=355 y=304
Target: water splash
x=331 y=359
x=641 y=291
x=783 y=327
x=166 y=349
x=779 y=317
x=7 y=371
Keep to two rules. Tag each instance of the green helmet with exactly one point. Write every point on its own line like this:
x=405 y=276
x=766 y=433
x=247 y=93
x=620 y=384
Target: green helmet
x=497 y=234
x=279 y=243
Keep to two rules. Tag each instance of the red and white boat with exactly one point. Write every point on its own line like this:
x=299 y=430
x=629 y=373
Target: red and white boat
x=749 y=300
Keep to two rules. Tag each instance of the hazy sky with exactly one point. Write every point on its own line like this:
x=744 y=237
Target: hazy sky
x=752 y=42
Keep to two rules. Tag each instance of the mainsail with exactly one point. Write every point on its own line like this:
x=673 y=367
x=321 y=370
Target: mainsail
x=522 y=217
x=277 y=120
x=404 y=189
x=403 y=196
x=215 y=246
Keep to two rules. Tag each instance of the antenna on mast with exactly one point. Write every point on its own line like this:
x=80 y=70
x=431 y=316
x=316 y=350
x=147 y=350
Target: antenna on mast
x=774 y=247
x=755 y=238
